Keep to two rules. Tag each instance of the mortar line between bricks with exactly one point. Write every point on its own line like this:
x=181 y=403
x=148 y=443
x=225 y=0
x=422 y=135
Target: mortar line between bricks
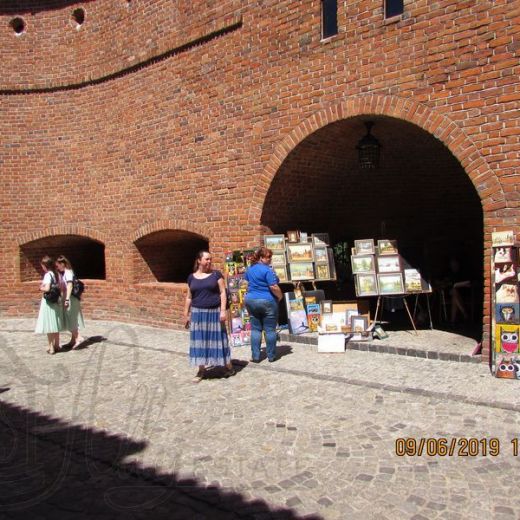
x=354 y=382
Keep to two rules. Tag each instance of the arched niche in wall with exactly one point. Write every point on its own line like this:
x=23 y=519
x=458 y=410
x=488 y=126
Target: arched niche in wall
x=86 y=255
x=166 y=255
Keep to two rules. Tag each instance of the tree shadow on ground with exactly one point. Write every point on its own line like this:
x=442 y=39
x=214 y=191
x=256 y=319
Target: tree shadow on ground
x=53 y=469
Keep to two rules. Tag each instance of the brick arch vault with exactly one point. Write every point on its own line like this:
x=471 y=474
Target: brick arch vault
x=439 y=126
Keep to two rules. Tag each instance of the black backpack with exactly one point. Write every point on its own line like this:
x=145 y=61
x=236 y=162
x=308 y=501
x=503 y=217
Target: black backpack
x=54 y=292
x=77 y=287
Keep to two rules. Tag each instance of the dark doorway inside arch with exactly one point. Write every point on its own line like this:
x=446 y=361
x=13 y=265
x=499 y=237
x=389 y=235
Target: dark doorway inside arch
x=86 y=255
x=166 y=256
x=420 y=195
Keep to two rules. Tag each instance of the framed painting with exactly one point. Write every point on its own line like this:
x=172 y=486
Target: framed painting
x=322 y=272
x=507 y=293
x=293 y=236
x=507 y=338
x=365 y=246
x=278 y=259
x=503 y=255
x=390 y=283
x=358 y=324
x=326 y=306
x=321 y=239
x=301 y=271
x=504 y=272
x=388 y=264
x=320 y=255
x=332 y=265
x=366 y=284
x=387 y=247
x=333 y=321
x=363 y=264
x=379 y=332
x=300 y=253
x=281 y=272
x=502 y=238
x=412 y=280
x=275 y=242
x=298 y=323
x=507 y=312
x=348 y=315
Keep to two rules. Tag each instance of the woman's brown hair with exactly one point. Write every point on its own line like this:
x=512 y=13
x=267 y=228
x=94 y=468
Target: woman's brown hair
x=64 y=260
x=261 y=252
x=50 y=265
x=199 y=256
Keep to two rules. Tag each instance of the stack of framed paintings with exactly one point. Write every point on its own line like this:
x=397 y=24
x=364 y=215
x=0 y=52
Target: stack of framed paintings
x=505 y=319
x=239 y=322
x=379 y=271
x=303 y=310
x=301 y=257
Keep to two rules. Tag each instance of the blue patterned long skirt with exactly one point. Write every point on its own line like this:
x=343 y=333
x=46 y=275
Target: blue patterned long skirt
x=208 y=338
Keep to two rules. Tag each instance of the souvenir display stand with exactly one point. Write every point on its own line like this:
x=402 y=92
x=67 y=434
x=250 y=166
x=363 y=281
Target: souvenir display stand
x=238 y=317
x=505 y=319
x=298 y=258
x=381 y=271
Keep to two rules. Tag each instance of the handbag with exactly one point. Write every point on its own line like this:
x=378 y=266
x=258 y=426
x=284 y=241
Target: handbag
x=77 y=288
x=54 y=292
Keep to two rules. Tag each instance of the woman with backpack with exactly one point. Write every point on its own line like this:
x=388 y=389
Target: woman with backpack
x=50 y=316
x=71 y=304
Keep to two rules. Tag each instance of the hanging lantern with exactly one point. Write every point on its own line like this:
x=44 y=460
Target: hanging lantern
x=368 y=149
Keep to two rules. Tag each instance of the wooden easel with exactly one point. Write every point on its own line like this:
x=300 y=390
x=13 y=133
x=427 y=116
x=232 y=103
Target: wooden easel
x=379 y=305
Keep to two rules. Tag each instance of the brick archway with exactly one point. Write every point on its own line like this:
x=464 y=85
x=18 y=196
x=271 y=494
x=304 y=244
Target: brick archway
x=438 y=125
x=61 y=230
x=164 y=225
x=83 y=247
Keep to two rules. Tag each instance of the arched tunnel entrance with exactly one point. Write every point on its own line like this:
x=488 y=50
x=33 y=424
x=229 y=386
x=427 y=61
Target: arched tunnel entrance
x=420 y=196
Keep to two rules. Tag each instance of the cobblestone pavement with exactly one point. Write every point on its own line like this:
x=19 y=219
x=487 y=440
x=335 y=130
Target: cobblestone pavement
x=118 y=430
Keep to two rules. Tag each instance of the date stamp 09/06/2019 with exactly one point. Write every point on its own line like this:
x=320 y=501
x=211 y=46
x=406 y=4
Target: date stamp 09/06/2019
x=454 y=447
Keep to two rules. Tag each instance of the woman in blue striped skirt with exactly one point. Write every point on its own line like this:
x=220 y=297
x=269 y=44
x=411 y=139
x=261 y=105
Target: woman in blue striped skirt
x=205 y=316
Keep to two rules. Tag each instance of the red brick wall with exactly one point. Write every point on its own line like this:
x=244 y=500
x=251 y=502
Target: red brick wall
x=185 y=119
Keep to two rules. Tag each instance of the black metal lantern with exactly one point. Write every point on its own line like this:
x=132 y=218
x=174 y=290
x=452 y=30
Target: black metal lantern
x=368 y=149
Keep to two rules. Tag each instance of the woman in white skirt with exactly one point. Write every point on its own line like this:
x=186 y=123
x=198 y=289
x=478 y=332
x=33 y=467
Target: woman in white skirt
x=50 y=316
x=71 y=305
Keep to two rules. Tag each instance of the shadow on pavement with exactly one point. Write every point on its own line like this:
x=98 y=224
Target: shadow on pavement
x=281 y=351
x=52 y=469
x=88 y=342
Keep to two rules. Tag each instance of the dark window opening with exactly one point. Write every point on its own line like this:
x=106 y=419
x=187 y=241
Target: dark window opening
x=167 y=256
x=78 y=16
x=18 y=25
x=393 y=8
x=329 y=18
x=87 y=256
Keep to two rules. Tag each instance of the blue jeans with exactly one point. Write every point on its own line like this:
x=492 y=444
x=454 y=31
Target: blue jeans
x=264 y=316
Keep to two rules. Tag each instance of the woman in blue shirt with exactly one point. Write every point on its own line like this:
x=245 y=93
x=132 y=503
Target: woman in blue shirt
x=262 y=297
